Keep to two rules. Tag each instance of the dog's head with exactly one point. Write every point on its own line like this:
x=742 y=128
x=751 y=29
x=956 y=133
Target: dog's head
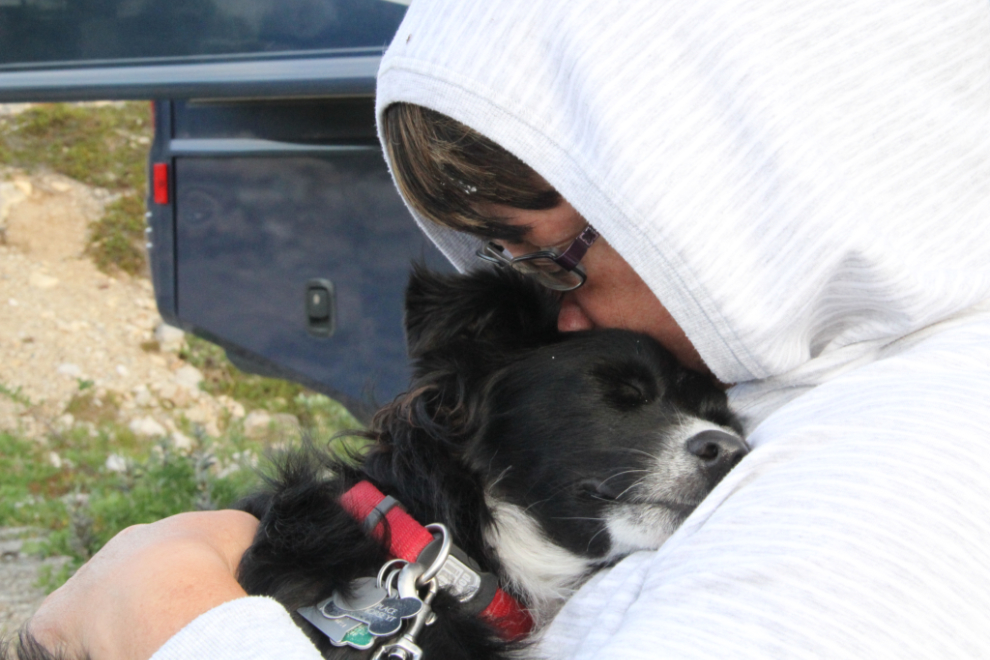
x=605 y=440
x=583 y=446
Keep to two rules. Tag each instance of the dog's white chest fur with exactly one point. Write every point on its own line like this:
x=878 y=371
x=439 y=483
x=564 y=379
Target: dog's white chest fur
x=537 y=567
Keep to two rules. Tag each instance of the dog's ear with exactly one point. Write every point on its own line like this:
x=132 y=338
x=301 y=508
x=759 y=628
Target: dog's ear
x=496 y=309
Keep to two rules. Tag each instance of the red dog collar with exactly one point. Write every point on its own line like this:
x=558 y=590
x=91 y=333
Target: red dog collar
x=408 y=539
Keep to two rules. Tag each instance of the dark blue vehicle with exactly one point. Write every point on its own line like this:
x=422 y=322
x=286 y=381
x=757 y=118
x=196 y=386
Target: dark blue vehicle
x=273 y=226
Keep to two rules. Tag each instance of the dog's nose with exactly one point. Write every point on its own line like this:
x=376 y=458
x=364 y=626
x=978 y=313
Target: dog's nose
x=719 y=451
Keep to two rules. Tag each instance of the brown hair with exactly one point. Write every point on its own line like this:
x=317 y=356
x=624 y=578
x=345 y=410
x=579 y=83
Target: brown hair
x=449 y=173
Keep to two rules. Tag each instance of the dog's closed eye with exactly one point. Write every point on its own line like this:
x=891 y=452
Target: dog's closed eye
x=626 y=386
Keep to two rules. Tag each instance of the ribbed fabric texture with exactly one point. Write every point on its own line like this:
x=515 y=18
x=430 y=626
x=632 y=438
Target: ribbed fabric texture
x=790 y=178
x=251 y=628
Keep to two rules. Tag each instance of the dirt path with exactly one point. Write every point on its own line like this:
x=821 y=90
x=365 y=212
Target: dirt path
x=66 y=327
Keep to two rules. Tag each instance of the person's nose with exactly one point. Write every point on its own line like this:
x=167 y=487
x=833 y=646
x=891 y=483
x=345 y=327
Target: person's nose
x=572 y=317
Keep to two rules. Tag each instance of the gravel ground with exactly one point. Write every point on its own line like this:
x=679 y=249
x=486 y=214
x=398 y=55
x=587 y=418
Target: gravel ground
x=19 y=596
x=63 y=323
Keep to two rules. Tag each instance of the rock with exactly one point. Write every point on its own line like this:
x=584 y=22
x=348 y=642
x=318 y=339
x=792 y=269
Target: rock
x=65 y=422
x=182 y=442
x=286 y=423
x=223 y=471
x=205 y=417
x=169 y=338
x=116 y=463
x=123 y=371
x=75 y=499
x=10 y=109
x=69 y=369
x=147 y=427
x=42 y=281
x=142 y=396
x=232 y=406
x=260 y=424
x=199 y=414
x=55 y=460
x=10 y=549
x=178 y=396
x=24 y=184
x=257 y=423
x=11 y=194
x=189 y=377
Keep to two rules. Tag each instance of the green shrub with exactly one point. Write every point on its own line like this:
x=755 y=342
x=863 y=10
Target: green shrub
x=221 y=377
x=84 y=500
x=105 y=146
x=85 y=485
x=116 y=240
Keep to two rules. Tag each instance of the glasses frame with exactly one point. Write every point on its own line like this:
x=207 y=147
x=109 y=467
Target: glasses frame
x=568 y=260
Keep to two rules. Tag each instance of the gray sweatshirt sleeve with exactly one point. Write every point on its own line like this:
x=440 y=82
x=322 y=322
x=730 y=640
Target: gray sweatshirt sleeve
x=245 y=629
x=856 y=528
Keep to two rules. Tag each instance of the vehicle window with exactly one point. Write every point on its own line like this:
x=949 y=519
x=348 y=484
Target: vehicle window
x=54 y=33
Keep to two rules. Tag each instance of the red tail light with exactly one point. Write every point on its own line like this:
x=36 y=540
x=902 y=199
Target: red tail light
x=160 y=183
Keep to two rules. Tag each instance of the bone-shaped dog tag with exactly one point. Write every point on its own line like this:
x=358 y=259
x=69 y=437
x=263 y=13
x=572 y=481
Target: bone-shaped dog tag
x=341 y=632
x=347 y=631
x=384 y=619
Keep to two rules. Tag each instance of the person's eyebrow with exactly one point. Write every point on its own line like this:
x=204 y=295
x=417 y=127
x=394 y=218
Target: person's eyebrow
x=495 y=228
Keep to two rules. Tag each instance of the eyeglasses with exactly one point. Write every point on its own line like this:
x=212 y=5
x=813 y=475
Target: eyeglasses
x=552 y=268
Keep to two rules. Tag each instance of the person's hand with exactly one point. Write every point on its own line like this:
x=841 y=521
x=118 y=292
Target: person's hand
x=145 y=585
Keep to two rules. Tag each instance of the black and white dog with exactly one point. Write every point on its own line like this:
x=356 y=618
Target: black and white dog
x=546 y=455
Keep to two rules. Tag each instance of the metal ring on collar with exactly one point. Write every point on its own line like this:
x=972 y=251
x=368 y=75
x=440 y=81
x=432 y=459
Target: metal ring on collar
x=441 y=557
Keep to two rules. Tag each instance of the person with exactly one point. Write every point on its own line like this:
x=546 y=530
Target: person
x=793 y=197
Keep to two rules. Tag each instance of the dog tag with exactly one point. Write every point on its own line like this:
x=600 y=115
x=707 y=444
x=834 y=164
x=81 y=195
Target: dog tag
x=383 y=619
x=335 y=629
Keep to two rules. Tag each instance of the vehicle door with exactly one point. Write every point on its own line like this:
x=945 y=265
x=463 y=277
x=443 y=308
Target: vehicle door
x=274 y=229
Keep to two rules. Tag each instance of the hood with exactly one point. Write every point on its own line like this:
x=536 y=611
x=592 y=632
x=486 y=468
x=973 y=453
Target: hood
x=799 y=183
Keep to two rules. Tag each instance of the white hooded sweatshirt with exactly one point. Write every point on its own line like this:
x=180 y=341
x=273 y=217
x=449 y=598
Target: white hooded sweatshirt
x=806 y=188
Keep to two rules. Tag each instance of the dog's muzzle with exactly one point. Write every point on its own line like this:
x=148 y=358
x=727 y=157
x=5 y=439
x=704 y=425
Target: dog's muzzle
x=718 y=452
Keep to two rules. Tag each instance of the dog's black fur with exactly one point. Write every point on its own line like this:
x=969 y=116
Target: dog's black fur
x=511 y=434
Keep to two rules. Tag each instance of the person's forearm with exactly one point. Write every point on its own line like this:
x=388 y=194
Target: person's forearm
x=145 y=585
